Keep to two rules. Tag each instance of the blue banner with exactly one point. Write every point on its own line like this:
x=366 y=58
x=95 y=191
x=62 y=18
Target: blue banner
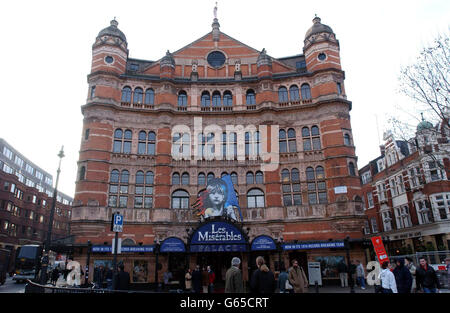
x=262 y=243
x=172 y=244
x=123 y=249
x=315 y=245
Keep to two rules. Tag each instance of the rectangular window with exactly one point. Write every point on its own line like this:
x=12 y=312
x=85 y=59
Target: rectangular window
x=287 y=200
x=370 y=200
x=8 y=153
x=123 y=201
x=316 y=143
x=138 y=202
x=312 y=198
x=297 y=199
x=323 y=197
x=373 y=222
x=7 y=169
x=117 y=148
x=29 y=169
x=18 y=161
x=306 y=145
x=366 y=228
x=387 y=220
x=148 y=202
x=112 y=201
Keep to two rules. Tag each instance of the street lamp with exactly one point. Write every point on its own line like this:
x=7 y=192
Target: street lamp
x=156 y=263
x=45 y=259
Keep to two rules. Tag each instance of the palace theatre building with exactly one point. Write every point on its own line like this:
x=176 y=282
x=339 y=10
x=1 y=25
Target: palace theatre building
x=160 y=135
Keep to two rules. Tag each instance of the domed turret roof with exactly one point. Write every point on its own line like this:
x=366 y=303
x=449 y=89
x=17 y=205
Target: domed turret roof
x=318 y=28
x=424 y=125
x=113 y=30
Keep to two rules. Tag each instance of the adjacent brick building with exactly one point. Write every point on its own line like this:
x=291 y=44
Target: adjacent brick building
x=144 y=122
x=407 y=192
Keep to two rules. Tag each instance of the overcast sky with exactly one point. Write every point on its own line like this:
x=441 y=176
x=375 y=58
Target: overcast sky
x=45 y=57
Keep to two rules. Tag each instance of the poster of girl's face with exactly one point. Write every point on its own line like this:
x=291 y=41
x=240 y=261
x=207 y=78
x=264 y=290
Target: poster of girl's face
x=216 y=200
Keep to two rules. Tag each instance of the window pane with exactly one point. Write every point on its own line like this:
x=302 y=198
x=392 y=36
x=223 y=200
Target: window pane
x=148 y=202
x=292 y=146
x=112 y=201
x=123 y=189
x=151 y=149
x=316 y=143
x=138 y=202
x=283 y=147
x=259 y=178
x=321 y=185
x=123 y=201
x=286 y=188
x=323 y=197
x=305 y=132
x=113 y=189
x=296 y=188
x=312 y=198
x=141 y=148
x=140 y=177
x=139 y=190
x=315 y=131
x=295 y=175
x=260 y=201
x=148 y=190
x=149 y=178
x=306 y=145
x=251 y=202
x=127 y=147
x=117 y=146
x=287 y=201
x=310 y=173
x=311 y=186
x=297 y=199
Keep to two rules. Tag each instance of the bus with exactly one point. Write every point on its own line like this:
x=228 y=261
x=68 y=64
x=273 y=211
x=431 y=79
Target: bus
x=28 y=260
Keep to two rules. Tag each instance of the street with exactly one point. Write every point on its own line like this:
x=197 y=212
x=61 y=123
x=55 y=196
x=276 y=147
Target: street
x=11 y=286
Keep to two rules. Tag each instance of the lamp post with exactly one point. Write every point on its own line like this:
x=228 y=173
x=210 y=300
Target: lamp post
x=156 y=263
x=45 y=259
x=86 y=275
x=349 y=264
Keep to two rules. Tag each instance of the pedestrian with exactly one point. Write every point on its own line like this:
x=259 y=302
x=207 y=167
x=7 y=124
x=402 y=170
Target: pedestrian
x=211 y=279
x=197 y=279
x=447 y=267
x=263 y=280
x=412 y=269
x=403 y=277
x=55 y=275
x=426 y=278
x=122 y=279
x=352 y=273
x=205 y=280
x=99 y=276
x=282 y=279
x=360 y=274
x=297 y=278
x=343 y=273
x=167 y=276
x=387 y=279
x=108 y=277
x=188 y=280
x=233 y=278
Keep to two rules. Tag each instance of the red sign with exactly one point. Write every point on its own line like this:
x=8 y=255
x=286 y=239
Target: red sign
x=379 y=249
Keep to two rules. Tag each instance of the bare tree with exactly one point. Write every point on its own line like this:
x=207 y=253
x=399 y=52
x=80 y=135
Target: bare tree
x=427 y=80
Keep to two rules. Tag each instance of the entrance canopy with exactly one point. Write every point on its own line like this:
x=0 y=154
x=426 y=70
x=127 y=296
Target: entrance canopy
x=172 y=244
x=218 y=236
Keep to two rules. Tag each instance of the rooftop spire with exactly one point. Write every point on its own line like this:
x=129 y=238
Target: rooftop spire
x=215 y=25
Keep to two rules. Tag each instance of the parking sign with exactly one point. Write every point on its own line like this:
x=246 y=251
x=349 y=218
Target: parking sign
x=117 y=223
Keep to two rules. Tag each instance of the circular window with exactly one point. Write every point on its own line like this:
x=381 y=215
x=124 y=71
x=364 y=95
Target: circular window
x=322 y=56
x=216 y=59
x=109 y=59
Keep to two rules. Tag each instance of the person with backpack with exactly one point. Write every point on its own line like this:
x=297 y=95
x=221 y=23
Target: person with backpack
x=263 y=280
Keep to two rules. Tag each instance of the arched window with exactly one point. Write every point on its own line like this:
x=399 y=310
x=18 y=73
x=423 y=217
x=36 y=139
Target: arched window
x=149 y=96
x=122 y=141
x=118 y=189
x=216 y=99
x=250 y=98
x=175 y=179
x=259 y=177
x=282 y=140
x=317 y=191
x=285 y=176
x=126 y=94
x=255 y=198
x=142 y=142
x=223 y=174
x=180 y=199
x=311 y=140
x=291 y=187
x=138 y=93
x=201 y=179
x=128 y=242
x=351 y=169
x=282 y=95
x=306 y=92
x=139 y=190
x=347 y=141
x=292 y=141
x=149 y=178
x=82 y=173
x=227 y=98
x=185 y=178
x=151 y=144
x=210 y=177
x=293 y=93
x=182 y=98
x=249 y=178
x=206 y=100
x=234 y=178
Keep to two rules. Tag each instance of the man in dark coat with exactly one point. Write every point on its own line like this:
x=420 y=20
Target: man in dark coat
x=122 y=279
x=426 y=278
x=197 y=279
x=263 y=280
x=403 y=277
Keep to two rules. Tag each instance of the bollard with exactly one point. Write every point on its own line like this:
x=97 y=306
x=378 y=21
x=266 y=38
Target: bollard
x=316 y=284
